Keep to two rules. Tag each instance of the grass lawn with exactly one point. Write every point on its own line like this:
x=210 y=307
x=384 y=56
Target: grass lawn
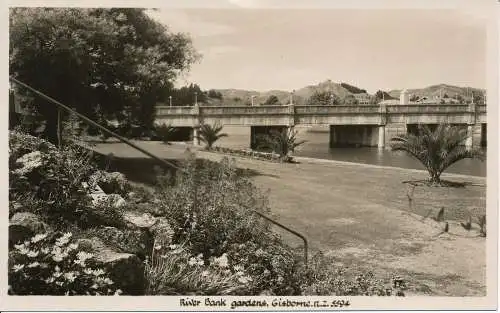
x=360 y=215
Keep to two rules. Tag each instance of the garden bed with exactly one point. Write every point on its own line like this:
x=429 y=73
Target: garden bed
x=251 y=154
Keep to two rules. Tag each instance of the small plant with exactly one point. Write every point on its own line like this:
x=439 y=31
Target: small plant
x=210 y=134
x=50 y=264
x=482 y=226
x=173 y=271
x=281 y=142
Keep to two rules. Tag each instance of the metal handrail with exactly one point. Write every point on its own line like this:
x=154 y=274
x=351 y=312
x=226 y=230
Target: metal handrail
x=160 y=160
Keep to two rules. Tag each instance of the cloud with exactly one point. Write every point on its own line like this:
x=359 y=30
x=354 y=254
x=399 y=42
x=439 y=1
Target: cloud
x=184 y=21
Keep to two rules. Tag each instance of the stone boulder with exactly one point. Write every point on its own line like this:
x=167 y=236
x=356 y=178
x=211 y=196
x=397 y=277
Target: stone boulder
x=136 y=241
x=125 y=269
x=24 y=225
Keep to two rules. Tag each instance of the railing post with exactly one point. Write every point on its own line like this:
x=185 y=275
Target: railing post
x=59 y=127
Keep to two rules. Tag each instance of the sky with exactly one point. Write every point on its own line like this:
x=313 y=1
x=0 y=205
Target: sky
x=246 y=46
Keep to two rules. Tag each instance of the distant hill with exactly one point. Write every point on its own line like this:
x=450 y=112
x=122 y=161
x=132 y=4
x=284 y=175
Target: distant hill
x=231 y=96
x=440 y=90
x=341 y=90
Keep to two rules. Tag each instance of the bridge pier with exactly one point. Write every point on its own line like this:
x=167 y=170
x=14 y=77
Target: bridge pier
x=353 y=135
x=196 y=138
x=392 y=130
x=256 y=131
x=381 y=137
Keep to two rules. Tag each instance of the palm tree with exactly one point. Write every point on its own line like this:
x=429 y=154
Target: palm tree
x=164 y=133
x=210 y=134
x=437 y=149
x=282 y=142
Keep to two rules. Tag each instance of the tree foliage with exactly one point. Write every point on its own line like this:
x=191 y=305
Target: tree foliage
x=185 y=96
x=352 y=89
x=436 y=150
x=272 y=100
x=323 y=98
x=115 y=63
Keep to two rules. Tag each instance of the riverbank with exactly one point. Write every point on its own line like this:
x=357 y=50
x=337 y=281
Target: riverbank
x=360 y=215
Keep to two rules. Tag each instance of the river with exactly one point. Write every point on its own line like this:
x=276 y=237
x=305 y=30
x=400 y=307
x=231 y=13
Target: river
x=317 y=147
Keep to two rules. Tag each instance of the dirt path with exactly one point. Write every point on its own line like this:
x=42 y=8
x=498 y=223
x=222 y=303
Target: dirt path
x=360 y=215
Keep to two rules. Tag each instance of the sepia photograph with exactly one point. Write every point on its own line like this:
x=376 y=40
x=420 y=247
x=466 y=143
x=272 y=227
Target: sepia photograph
x=295 y=155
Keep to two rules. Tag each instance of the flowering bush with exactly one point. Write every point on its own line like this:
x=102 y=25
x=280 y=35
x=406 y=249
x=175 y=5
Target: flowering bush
x=273 y=266
x=174 y=271
x=210 y=206
x=50 y=264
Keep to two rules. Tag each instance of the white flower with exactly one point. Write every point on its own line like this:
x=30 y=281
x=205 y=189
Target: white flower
x=238 y=268
x=192 y=261
x=70 y=276
x=57 y=258
x=244 y=279
x=157 y=247
x=18 y=267
x=239 y=273
x=50 y=280
x=38 y=238
x=32 y=254
x=173 y=247
x=118 y=292
x=63 y=240
x=34 y=264
x=108 y=281
x=222 y=261
x=73 y=246
x=204 y=273
x=98 y=272
x=83 y=256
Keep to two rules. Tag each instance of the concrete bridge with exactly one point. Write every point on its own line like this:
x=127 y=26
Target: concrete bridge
x=361 y=125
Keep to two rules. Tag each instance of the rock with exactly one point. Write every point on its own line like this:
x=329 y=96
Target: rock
x=144 y=220
x=125 y=269
x=136 y=241
x=24 y=225
x=115 y=200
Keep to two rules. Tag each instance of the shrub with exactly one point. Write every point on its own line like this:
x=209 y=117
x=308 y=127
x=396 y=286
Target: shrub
x=50 y=264
x=274 y=267
x=210 y=207
x=323 y=278
x=281 y=142
x=164 y=133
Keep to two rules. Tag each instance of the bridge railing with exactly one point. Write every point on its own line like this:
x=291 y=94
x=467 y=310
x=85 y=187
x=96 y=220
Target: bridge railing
x=61 y=107
x=244 y=110
x=431 y=108
x=337 y=109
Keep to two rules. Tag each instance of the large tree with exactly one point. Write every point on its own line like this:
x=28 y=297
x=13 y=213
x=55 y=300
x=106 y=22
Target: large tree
x=109 y=63
x=323 y=98
x=272 y=100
